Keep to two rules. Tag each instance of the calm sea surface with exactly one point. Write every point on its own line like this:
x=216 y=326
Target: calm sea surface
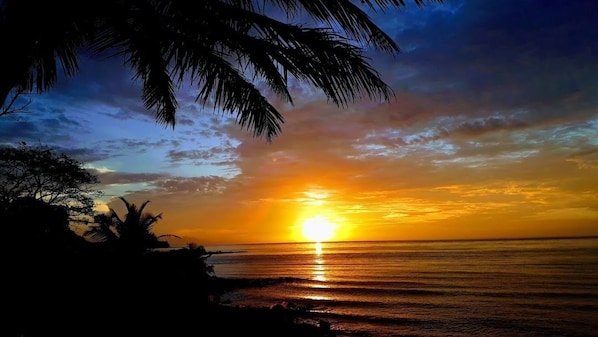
x=546 y=287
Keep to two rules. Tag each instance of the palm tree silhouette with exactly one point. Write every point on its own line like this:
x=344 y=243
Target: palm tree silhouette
x=222 y=46
x=131 y=235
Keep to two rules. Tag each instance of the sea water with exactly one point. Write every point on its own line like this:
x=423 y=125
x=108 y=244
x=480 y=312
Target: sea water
x=539 y=287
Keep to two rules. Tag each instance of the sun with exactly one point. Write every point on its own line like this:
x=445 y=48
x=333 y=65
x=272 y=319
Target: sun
x=318 y=229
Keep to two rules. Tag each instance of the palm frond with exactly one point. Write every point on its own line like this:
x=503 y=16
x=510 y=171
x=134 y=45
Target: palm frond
x=223 y=46
x=103 y=229
x=143 y=205
x=144 y=41
x=126 y=202
x=272 y=50
x=351 y=20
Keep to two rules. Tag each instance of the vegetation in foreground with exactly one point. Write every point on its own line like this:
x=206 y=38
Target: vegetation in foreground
x=113 y=280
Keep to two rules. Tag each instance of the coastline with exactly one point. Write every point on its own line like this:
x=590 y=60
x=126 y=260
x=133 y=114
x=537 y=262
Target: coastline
x=91 y=295
x=280 y=319
x=72 y=313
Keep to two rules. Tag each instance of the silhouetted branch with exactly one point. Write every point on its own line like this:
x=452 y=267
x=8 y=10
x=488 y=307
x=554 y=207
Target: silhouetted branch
x=9 y=108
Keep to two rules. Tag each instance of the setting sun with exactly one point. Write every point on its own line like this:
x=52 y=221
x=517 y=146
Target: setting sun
x=318 y=229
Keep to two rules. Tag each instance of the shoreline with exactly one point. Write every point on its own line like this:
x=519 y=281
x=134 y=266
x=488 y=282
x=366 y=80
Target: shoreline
x=296 y=320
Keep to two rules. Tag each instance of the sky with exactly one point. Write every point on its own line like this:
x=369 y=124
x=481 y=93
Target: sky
x=492 y=133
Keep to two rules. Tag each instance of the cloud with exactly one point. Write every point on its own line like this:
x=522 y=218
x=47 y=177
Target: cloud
x=490 y=124
x=491 y=132
x=585 y=159
x=31 y=127
x=213 y=154
x=501 y=56
x=123 y=178
x=16 y=130
x=211 y=184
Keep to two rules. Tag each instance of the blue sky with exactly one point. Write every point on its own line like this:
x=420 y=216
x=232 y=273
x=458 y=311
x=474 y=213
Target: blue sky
x=493 y=133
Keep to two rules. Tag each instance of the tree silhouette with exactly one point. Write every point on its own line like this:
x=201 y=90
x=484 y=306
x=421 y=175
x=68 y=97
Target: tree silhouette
x=131 y=235
x=41 y=173
x=32 y=227
x=222 y=46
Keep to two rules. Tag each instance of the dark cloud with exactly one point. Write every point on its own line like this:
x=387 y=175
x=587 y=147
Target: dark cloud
x=128 y=146
x=185 y=121
x=210 y=154
x=57 y=123
x=103 y=83
x=122 y=114
x=50 y=129
x=101 y=80
x=180 y=155
x=127 y=178
x=503 y=55
x=210 y=184
x=16 y=130
x=586 y=158
x=86 y=155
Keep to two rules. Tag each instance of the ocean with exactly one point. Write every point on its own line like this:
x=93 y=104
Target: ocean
x=532 y=287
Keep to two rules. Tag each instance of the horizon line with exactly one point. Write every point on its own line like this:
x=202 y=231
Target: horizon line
x=531 y=238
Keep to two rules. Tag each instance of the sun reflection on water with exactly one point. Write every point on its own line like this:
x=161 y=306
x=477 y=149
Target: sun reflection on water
x=318 y=298
x=319 y=268
x=318 y=249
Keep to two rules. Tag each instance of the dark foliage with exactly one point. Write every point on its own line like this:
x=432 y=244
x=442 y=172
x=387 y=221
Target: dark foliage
x=131 y=235
x=42 y=174
x=224 y=47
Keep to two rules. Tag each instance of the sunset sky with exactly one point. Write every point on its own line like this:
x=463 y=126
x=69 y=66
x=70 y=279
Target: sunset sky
x=493 y=133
